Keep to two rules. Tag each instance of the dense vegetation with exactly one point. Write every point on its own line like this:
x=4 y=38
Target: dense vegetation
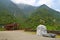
x=6 y=18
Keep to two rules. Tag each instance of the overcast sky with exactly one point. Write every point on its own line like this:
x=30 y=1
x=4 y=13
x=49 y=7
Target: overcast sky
x=55 y=4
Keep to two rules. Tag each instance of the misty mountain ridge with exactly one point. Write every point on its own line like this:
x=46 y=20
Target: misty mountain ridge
x=27 y=9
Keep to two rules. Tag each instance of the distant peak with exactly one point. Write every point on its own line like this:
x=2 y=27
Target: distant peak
x=44 y=5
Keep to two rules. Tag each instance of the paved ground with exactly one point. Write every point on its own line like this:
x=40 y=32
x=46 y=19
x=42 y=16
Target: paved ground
x=21 y=35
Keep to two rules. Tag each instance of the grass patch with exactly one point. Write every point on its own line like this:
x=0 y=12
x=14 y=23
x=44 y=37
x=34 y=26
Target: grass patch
x=30 y=32
x=2 y=29
x=58 y=36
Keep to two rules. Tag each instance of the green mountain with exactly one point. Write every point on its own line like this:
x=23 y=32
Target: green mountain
x=27 y=9
x=45 y=15
x=10 y=12
x=7 y=7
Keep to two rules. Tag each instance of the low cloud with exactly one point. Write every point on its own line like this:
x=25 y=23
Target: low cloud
x=54 y=4
x=30 y=2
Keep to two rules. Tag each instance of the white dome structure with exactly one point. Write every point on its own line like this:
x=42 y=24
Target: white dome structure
x=41 y=30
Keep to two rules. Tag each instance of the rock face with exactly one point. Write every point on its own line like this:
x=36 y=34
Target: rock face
x=41 y=30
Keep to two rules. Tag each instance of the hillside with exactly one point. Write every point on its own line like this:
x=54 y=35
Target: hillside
x=27 y=9
x=45 y=15
x=12 y=9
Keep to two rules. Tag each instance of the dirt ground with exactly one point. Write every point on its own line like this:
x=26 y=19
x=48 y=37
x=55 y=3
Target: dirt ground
x=21 y=35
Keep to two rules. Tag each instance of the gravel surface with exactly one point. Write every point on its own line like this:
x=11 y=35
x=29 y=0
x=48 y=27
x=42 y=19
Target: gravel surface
x=21 y=35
